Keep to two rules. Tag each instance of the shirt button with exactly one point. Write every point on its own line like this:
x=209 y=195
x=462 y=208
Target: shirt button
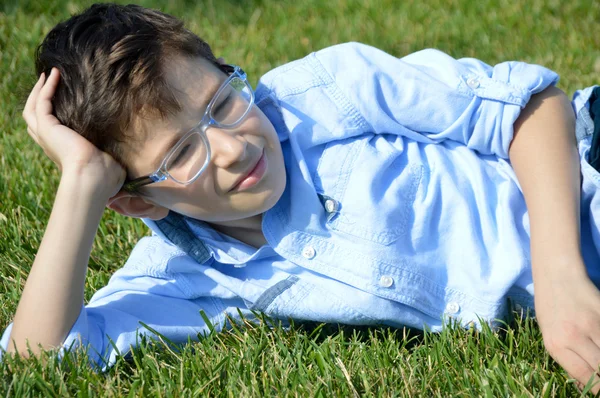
x=518 y=308
x=473 y=83
x=386 y=281
x=330 y=205
x=308 y=252
x=452 y=308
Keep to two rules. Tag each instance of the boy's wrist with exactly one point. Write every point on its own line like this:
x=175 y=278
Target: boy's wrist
x=558 y=269
x=94 y=187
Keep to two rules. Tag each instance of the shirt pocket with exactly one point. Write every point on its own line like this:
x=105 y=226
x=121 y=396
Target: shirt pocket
x=373 y=196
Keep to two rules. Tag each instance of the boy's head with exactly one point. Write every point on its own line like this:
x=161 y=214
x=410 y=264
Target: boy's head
x=133 y=82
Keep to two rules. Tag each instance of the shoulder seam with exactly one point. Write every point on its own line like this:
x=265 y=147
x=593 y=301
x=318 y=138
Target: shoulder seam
x=337 y=93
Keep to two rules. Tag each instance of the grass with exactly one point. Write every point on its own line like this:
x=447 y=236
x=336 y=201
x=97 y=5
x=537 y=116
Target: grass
x=253 y=360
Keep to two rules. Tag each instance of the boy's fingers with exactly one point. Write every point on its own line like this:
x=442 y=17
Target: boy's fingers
x=44 y=100
x=589 y=352
x=29 y=110
x=579 y=369
x=32 y=98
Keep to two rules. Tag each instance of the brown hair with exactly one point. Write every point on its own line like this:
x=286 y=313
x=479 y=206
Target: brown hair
x=111 y=60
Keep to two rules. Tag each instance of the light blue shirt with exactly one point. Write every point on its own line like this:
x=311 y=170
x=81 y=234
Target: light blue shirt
x=401 y=208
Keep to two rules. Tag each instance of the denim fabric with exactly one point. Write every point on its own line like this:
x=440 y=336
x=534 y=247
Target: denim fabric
x=177 y=231
x=401 y=208
x=594 y=111
x=590 y=185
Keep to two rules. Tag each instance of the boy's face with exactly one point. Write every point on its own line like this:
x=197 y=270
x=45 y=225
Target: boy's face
x=234 y=154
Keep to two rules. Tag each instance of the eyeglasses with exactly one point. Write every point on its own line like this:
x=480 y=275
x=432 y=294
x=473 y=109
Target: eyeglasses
x=190 y=156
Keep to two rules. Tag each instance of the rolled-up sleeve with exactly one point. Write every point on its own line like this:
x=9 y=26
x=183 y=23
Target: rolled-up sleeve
x=430 y=97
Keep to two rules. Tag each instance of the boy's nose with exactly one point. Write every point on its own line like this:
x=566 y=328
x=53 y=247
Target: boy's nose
x=226 y=147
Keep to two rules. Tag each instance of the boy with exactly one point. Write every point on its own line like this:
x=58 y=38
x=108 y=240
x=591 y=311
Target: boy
x=351 y=187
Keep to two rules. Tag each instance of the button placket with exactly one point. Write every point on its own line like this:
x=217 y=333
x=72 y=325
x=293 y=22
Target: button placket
x=330 y=206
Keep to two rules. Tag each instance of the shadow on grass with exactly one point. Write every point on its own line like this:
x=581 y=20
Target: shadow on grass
x=235 y=331
x=320 y=332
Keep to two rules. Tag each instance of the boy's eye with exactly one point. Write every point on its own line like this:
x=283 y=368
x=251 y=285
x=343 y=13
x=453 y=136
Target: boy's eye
x=220 y=108
x=180 y=156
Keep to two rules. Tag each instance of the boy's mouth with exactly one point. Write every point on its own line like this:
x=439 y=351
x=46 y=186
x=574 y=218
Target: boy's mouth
x=253 y=176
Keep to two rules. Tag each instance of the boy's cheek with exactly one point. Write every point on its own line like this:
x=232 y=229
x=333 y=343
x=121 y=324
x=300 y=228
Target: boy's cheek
x=258 y=120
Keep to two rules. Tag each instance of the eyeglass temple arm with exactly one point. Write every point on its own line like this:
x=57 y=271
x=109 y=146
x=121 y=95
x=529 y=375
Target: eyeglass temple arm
x=229 y=69
x=133 y=185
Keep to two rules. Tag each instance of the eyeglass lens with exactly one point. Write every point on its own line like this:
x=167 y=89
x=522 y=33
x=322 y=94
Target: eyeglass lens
x=187 y=158
x=229 y=107
x=232 y=103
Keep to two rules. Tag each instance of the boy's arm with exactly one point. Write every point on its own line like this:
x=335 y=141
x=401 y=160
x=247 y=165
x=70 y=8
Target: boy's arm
x=53 y=293
x=544 y=156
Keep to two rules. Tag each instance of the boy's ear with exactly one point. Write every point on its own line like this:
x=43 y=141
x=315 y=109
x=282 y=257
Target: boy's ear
x=136 y=206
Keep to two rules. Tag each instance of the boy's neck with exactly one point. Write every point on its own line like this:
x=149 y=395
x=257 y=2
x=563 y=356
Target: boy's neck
x=247 y=230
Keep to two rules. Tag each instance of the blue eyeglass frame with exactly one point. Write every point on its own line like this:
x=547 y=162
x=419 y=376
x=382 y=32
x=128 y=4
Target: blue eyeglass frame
x=161 y=173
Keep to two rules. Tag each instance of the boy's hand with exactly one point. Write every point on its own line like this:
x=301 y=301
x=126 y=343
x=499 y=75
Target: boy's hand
x=568 y=311
x=71 y=152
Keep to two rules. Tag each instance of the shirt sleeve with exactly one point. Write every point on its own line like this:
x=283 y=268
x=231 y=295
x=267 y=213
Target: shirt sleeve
x=430 y=97
x=113 y=320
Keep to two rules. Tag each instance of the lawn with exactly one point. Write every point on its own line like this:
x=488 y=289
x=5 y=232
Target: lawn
x=306 y=360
